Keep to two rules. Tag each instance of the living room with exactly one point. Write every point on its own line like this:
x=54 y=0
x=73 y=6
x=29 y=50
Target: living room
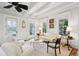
x=41 y=20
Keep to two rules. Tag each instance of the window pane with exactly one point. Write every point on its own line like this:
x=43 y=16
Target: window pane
x=44 y=27
x=62 y=26
x=32 y=29
x=11 y=27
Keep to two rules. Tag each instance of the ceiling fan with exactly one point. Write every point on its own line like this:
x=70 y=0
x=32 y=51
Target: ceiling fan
x=18 y=6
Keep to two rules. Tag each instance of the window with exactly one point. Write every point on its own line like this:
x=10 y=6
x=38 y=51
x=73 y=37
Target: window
x=44 y=27
x=32 y=29
x=11 y=27
x=63 y=23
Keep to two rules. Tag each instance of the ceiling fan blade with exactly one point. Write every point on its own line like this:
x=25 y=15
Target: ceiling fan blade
x=9 y=6
x=18 y=9
x=23 y=6
x=14 y=3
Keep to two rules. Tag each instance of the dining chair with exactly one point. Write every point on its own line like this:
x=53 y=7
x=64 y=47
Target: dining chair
x=54 y=45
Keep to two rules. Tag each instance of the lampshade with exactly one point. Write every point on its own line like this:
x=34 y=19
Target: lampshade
x=59 y=36
x=68 y=29
x=40 y=28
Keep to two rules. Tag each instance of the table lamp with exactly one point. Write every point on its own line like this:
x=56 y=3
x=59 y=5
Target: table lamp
x=68 y=30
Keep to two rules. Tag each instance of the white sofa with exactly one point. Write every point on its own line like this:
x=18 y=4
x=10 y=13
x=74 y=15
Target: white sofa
x=11 y=49
x=15 y=49
x=2 y=53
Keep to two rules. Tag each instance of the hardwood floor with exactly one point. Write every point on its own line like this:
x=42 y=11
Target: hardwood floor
x=32 y=52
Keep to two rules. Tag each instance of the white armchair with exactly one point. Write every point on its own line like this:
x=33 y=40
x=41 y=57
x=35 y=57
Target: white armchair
x=74 y=43
x=2 y=53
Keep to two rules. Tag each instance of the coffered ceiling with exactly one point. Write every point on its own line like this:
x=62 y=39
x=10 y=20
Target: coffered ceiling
x=36 y=9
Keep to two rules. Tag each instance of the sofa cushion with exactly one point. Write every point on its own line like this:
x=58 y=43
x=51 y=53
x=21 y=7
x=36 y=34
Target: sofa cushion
x=11 y=49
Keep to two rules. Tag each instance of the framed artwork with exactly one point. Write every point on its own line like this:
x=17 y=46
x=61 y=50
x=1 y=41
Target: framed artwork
x=51 y=23
x=23 y=24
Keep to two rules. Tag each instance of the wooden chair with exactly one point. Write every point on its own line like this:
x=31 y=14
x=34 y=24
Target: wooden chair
x=54 y=45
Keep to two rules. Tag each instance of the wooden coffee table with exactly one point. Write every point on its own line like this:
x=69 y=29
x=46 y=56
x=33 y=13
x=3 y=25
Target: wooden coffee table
x=73 y=52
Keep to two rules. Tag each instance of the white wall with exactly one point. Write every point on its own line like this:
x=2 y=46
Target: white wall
x=1 y=28
x=3 y=33
x=22 y=33
x=50 y=30
x=73 y=22
x=73 y=19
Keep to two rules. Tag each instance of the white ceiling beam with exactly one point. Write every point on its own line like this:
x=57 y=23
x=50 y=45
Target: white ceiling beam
x=51 y=5
x=36 y=7
x=8 y=13
x=60 y=10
